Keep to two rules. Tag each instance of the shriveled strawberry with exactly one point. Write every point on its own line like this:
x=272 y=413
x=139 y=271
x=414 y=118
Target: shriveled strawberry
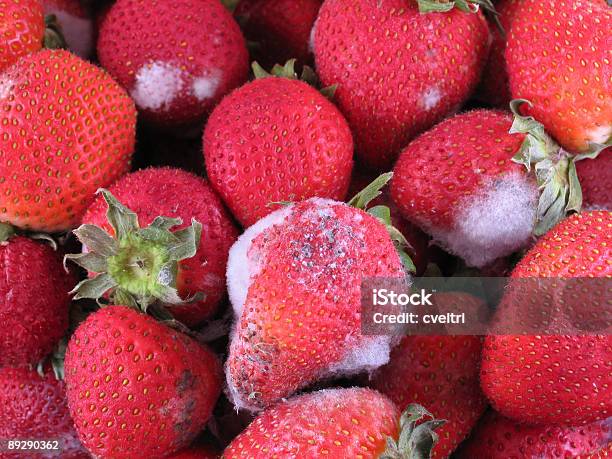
x=34 y=299
x=176 y=58
x=548 y=378
x=76 y=26
x=440 y=373
x=280 y=30
x=497 y=437
x=398 y=71
x=137 y=388
x=22 y=26
x=34 y=407
x=357 y=423
x=596 y=181
x=276 y=139
x=558 y=58
x=67 y=130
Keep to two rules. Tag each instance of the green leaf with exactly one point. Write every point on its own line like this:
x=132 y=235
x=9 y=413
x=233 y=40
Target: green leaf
x=94 y=288
x=6 y=232
x=370 y=192
x=259 y=71
x=285 y=71
x=122 y=219
x=329 y=91
x=188 y=240
x=382 y=213
x=309 y=76
x=434 y=6
x=96 y=240
x=574 y=200
x=91 y=261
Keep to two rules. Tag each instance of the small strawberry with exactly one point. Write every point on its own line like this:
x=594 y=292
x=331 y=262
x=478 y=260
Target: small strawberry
x=441 y=373
x=280 y=29
x=22 y=27
x=276 y=139
x=76 y=26
x=337 y=423
x=34 y=299
x=67 y=130
x=398 y=71
x=137 y=388
x=558 y=58
x=34 y=407
x=554 y=379
x=295 y=284
x=176 y=58
x=596 y=181
x=496 y=437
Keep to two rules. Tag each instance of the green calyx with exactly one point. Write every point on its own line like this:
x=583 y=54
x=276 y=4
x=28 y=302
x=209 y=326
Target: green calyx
x=137 y=266
x=417 y=435
x=467 y=6
x=53 y=37
x=383 y=214
x=230 y=4
x=555 y=169
x=308 y=76
x=6 y=232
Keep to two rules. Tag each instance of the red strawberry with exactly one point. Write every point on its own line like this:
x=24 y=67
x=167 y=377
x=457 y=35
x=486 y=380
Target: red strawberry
x=33 y=407
x=276 y=139
x=554 y=379
x=280 y=28
x=596 y=180
x=176 y=58
x=175 y=194
x=137 y=388
x=497 y=437
x=558 y=58
x=336 y=423
x=440 y=373
x=196 y=452
x=34 y=300
x=398 y=71
x=294 y=280
x=22 y=27
x=76 y=26
x=67 y=130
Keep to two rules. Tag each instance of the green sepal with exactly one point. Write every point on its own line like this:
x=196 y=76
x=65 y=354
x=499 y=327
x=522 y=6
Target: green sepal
x=230 y=4
x=6 y=232
x=308 y=76
x=370 y=192
x=56 y=359
x=467 y=6
x=53 y=37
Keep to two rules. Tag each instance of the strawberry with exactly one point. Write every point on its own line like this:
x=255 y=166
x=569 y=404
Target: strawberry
x=22 y=27
x=67 y=130
x=177 y=194
x=137 y=388
x=176 y=58
x=276 y=139
x=596 y=180
x=34 y=299
x=558 y=58
x=554 y=379
x=295 y=284
x=76 y=26
x=280 y=29
x=440 y=373
x=398 y=71
x=497 y=437
x=357 y=423
x=34 y=407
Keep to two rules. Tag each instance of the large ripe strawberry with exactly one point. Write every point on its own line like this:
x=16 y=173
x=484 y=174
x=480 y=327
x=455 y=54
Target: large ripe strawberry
x=34 y=407
x=356 y=423
x=295 y=284
x=137 y=388
x=398 y=71
x=548 y=378
x=76 y=26
x=22 y=27
x=558 y=58
x=67 y=130
x=176 y=58
x=440 y=373
x=174 y=194
x=497 y=437
x=280 y=30
x=276 y=139
x=34 y=299
x=596 y=181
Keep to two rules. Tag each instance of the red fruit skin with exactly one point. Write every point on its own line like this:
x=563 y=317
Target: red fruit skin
x=281 y=28
x=67 y=130
x=497 y=437
x=494 y=89
x=196 y=452
x=398 y=71
x=34 y=300
x=276 y=139
x=22 y=26
x=553 y=379
x=333 y=423
x=175 y=193
x=199 y=37
x=77 y=26
x=595 y=177
x=558 y=58
x=124 y=368
x=442 y=374
x=34 y=408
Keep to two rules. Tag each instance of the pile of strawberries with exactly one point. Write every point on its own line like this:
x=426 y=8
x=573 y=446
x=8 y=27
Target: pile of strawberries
x=193 y=191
